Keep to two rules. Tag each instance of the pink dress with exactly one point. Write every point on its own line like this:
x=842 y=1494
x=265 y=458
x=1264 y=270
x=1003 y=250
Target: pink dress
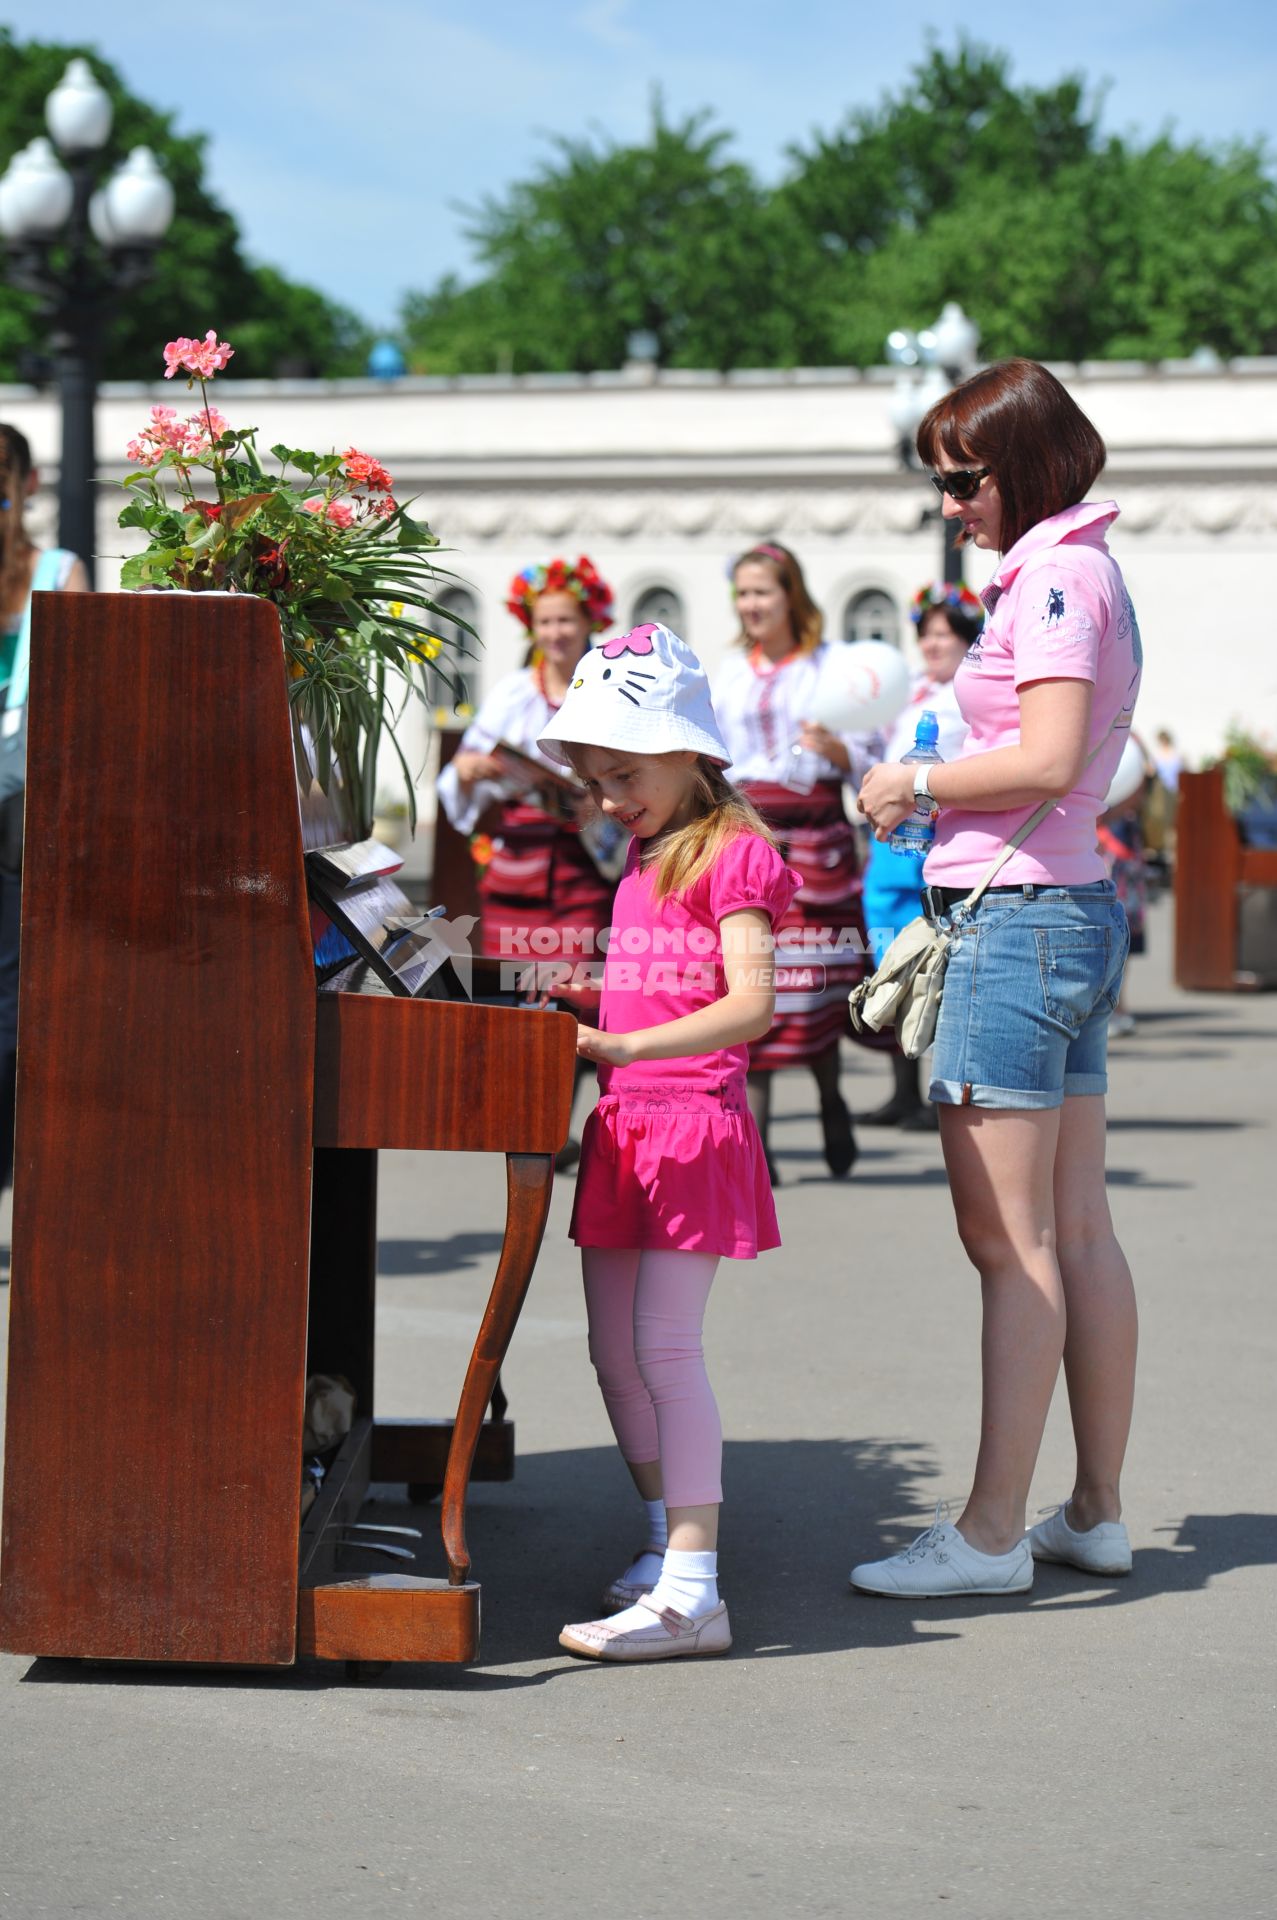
x=670 y=1157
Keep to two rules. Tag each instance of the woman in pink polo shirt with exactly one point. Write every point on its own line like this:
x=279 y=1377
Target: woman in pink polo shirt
x=1018 y=1071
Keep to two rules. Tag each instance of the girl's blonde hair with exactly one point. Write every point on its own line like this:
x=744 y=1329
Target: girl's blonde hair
x=806 y=622
x=722 y=812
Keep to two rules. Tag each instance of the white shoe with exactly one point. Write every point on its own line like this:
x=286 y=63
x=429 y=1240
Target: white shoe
x=1102 y=1549
x=940 y=1562
x=670 y=1636
x=625 y=1593
x=1121 y=1025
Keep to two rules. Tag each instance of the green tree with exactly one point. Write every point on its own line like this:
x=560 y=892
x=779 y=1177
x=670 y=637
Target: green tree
x=668 y=237
x=1060 y=242
x=957 y=124
x=1143 y=254
x=201 y=279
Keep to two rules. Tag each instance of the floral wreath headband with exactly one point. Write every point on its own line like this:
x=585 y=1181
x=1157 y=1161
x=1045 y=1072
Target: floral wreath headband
x=948 y=596
x=582 y=581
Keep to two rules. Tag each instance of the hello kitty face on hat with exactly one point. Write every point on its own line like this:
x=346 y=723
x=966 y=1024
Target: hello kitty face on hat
x=642 y=692
x=630 y=682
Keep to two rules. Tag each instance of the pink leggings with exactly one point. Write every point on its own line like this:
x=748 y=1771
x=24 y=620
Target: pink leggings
x=646 y=1310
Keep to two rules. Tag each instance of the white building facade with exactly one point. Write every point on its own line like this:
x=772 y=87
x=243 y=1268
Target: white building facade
x=663 y=478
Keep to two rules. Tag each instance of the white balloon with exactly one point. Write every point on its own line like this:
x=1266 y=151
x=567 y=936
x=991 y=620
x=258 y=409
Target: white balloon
x=1128 y=775
x=862 y=686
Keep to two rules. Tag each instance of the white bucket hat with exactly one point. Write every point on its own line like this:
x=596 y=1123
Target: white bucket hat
x=643 y=692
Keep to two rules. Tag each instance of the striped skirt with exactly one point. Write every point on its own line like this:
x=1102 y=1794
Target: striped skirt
x=820 y=942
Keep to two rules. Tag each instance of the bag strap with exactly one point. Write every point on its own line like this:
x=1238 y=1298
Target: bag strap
x=1034 y=820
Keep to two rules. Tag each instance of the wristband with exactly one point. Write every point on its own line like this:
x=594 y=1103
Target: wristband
x=921 y=787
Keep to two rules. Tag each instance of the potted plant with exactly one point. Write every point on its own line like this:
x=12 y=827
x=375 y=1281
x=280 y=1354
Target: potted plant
x=1250 y=786
x=322 y=537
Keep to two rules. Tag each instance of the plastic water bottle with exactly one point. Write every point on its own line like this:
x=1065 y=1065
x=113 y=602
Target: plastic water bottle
x=916 y=832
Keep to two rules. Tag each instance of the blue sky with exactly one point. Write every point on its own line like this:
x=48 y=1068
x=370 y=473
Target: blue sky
x=387 y=117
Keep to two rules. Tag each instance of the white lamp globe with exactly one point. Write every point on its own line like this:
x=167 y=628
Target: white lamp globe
x=902 y=348
x=957 y=338
x=138 y=201
x=100 y=220
x=903 y=408
x=8 y=202
x=38 y=193
x=78 y=112
x=932 y=387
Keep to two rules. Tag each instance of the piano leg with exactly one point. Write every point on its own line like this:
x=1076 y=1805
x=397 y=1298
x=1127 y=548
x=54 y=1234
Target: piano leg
x=529 y=1180
x=392 y=1616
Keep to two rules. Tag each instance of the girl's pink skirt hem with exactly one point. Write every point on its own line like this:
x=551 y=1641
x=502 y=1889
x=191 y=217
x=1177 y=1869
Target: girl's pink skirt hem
x=677 y=1168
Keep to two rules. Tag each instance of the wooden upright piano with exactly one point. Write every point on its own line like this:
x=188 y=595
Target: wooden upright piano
x=195 y=1176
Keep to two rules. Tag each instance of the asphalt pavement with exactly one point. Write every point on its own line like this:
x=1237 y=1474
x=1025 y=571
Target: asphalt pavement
x=1100 y=1748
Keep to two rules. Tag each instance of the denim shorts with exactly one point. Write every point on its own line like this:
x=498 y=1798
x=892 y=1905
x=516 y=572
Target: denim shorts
x=1032 y=979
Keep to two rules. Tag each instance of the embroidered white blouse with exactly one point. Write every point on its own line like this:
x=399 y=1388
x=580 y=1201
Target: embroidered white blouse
x=761 y=714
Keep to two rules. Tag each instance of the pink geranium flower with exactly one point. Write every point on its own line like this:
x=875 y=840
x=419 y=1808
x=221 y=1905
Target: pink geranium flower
x=202 y=358
x=167 y=434
x=363 y=471
x=338 y=511
x=215 y=424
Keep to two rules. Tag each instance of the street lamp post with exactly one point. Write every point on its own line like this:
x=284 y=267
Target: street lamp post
x=78 y=250
x=930 y=363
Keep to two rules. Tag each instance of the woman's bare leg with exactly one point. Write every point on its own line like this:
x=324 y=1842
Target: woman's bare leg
x=1103 y=1327
x=1000 y=1166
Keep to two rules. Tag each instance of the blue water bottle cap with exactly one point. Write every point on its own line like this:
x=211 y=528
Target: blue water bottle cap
x=928 y=730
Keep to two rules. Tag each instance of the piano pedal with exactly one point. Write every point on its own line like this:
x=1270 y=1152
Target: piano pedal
x=351 y=1542
x=378 y=1526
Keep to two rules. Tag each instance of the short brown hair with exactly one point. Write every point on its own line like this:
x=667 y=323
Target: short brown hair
x=806 y=622
x=1018 y=420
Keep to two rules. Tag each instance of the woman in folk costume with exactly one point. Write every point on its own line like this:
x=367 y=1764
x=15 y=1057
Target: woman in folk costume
x=793 y=771
x=538 y=876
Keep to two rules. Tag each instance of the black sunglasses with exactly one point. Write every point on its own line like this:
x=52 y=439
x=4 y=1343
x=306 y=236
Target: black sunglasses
x=963 y=484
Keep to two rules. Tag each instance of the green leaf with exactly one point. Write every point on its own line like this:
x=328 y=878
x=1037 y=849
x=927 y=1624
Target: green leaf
x=299 y=457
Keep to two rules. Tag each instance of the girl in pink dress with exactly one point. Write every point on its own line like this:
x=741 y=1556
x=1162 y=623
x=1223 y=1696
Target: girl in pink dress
x=673 y=1175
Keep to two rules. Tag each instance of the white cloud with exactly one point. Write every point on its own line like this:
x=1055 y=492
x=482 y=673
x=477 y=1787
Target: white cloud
x=605 y=21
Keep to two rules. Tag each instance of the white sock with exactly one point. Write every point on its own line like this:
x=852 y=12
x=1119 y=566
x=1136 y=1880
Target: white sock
x=688 y=1583
x=658 y=1531
x=646 y=1570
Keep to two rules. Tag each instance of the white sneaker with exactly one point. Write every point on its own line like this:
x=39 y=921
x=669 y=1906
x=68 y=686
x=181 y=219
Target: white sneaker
x=940 y=1562
x=1102 y=1549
